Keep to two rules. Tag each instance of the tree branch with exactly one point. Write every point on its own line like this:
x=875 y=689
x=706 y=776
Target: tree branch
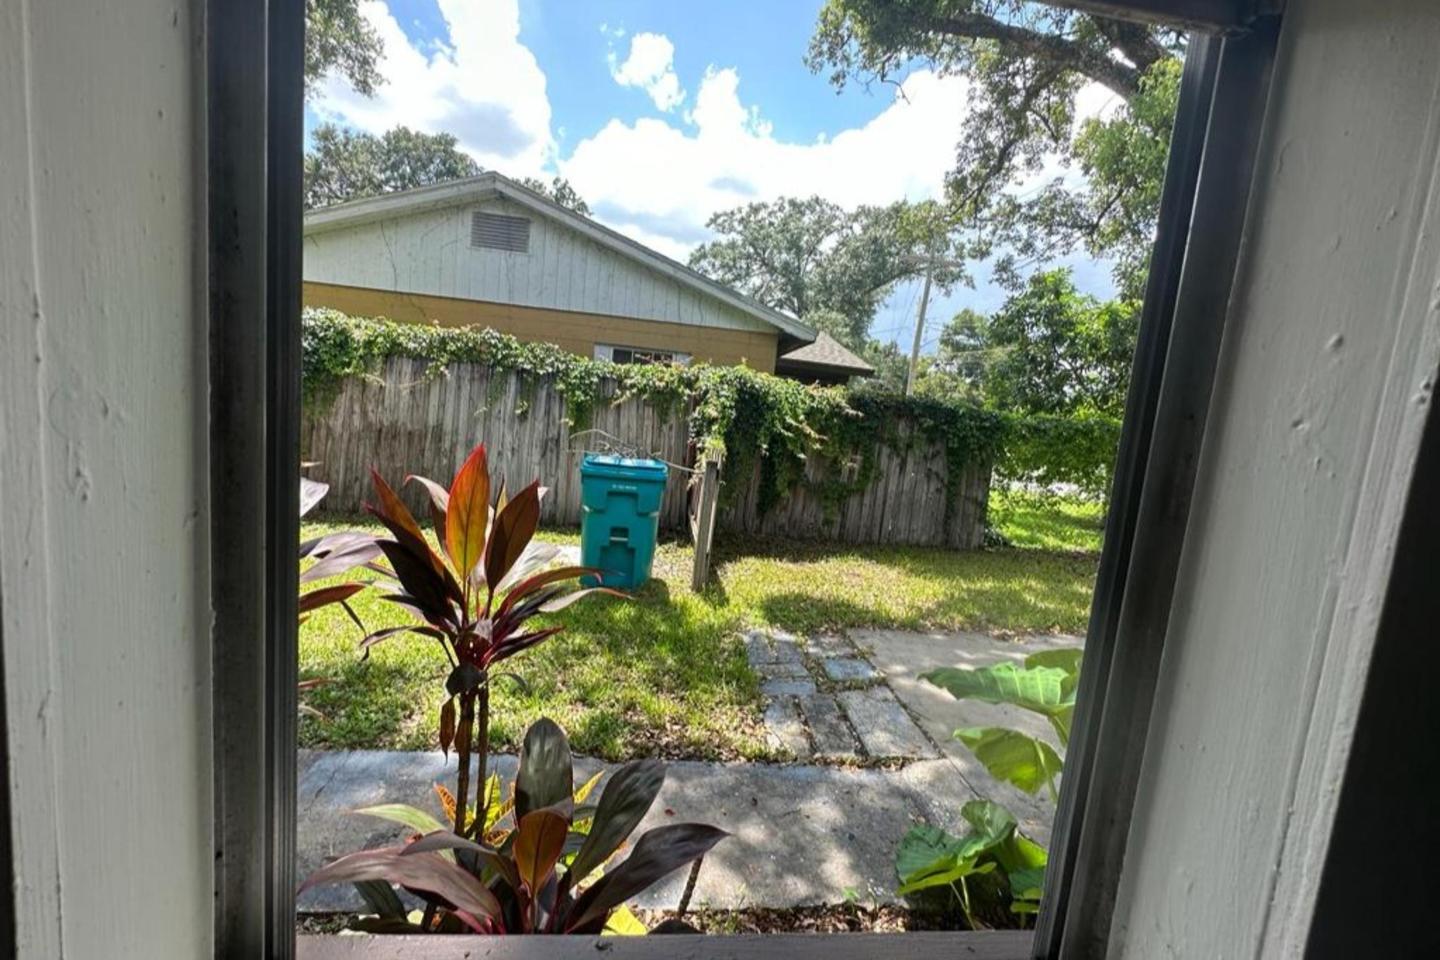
x=1095 y=64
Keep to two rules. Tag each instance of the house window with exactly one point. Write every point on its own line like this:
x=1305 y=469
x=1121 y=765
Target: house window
x=616 y=354
x=495 y=231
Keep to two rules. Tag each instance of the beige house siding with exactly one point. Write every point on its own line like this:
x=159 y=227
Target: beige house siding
x=572 y=330
x=430 y=252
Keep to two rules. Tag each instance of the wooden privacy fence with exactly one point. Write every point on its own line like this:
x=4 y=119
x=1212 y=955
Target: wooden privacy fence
x=405 y=419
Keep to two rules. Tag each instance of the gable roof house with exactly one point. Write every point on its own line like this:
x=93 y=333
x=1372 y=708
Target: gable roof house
x=486 y=251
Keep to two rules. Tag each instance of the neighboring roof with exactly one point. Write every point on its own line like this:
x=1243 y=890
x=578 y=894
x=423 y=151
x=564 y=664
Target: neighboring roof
x=826 y=353
x=491 y=184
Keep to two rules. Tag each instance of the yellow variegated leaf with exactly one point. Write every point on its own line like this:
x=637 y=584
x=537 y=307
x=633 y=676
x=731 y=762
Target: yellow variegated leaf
x=623 y=923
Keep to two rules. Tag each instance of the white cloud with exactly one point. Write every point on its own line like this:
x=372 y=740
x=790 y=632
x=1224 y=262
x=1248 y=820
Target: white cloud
x=481 y=84
x=660 y=178
x=651 y=67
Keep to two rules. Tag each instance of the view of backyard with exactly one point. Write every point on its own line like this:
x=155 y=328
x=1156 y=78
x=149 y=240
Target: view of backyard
x=851 y=446
x=665 y=673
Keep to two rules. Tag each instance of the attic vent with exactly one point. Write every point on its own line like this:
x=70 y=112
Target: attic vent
x=498 y=232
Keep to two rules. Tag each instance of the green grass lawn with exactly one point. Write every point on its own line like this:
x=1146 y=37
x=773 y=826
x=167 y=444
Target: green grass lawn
x=664 y=673
x=1047 y=522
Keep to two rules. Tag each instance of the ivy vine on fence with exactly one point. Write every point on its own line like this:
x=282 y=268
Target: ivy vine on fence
x=748 y=416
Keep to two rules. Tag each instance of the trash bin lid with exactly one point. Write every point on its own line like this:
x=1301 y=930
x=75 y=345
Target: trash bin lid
x=628 y=468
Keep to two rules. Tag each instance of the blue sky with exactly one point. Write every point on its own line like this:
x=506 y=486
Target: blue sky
x=661 y=114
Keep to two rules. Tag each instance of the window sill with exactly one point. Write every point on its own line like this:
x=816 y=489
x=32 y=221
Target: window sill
x=990 y=945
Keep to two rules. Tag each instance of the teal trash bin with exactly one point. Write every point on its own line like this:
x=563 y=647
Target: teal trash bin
x=620 y=517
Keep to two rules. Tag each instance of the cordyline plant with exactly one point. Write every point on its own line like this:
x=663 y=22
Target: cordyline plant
x=476 y=595
x=541 y=874
x=311 y=493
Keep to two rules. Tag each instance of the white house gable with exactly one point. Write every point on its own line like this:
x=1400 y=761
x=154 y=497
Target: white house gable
x=513 y=255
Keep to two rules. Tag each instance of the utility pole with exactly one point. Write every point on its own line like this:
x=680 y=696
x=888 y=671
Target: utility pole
x=920 y=326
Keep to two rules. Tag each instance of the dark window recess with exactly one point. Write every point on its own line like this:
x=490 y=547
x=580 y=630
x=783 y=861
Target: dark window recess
x=635 y=355
x=495 y=231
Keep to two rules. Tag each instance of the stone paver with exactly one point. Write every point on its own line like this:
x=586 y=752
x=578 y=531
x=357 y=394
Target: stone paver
x=830 y=645
x=799 y=834
x=832 y=735
x=784 y=687
x=885 y=729
x=849 y=670
x=784 y=728
x=774 y=646
x=788 y=671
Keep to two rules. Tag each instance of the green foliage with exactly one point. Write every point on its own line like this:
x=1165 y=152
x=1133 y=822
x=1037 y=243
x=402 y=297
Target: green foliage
x=348 y=165
x=1123 y=158
x=558 y=190
x=1027 y=64
x=337 y=38
x=1053 y=351
x=754 y=418
x=1046 y=521
x=1041 y=452
x=1045 y=685
x=829 y=266
x=992 y=867
x=930 y=857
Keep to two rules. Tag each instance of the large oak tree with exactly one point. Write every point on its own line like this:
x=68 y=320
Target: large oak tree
x=826 y=265
x=1027 y=62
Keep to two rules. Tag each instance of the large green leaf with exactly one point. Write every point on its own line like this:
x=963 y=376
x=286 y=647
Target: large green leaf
x=1039 y=689
x=1027 y=884
x=992 y=822
x=923 y=848
x=1013 y=756
x=545 y=777
x=1061 y=658
x=1045 y=685
x=959 y=869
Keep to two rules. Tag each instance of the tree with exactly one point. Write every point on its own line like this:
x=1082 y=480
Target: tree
x=826 y=265
x=347 y=165
x=337 y=37
x=1053 y=350
x=560 y=191
x=1027 y=63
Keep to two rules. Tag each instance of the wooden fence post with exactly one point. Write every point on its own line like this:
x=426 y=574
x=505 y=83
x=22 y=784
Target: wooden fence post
x=702 y=522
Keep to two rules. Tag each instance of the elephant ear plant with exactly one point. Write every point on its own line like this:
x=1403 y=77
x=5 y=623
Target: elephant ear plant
x=993 y=864
x=544 y=876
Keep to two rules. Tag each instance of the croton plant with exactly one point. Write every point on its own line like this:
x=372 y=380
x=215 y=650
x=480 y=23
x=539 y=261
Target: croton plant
x=477 y=596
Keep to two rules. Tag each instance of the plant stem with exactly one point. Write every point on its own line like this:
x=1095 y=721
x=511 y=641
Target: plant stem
x=689 y=889
x=483 y=755
x=462 y=752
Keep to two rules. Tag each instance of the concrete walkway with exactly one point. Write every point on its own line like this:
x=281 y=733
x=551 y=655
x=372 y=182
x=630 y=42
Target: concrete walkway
x=802 y=834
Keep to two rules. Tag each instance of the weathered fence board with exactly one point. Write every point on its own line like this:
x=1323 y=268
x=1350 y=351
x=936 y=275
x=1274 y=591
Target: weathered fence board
x=406 y=420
